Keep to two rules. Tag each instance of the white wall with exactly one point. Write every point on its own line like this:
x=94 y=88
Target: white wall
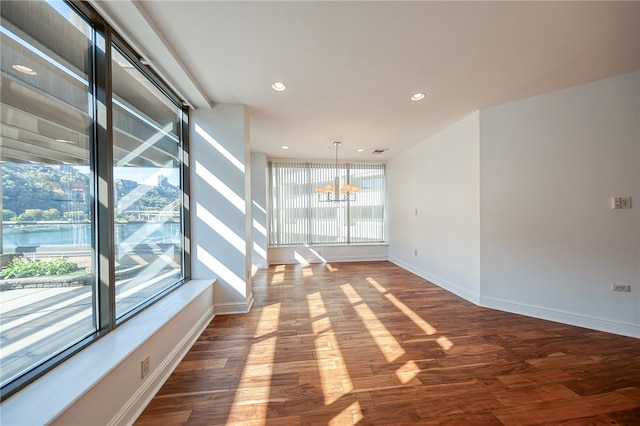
x=439 y=179
x=515 y=212
x=551 y=244
x=221 y=203
x=259 y=210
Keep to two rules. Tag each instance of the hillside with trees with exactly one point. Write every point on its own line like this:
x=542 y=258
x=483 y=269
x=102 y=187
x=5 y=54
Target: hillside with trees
x=35 y=192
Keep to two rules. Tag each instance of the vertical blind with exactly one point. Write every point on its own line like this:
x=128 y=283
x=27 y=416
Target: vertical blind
x=298 y=217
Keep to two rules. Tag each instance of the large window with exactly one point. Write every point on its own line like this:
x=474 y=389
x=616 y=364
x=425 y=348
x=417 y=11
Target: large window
x=300 y=217
x=146 y=177
x=93 y=221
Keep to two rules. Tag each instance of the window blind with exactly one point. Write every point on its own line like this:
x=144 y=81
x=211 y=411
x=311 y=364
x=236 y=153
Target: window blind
x=299 y=218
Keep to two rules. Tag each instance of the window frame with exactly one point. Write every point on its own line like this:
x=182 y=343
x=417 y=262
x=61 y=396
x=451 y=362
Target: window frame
x=102 y=195
x=183 y=131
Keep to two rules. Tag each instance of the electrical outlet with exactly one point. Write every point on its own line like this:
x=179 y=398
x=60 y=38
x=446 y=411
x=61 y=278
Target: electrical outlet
x=621 y=202
x=625 y=202
x=144 y=367
x=621 y=287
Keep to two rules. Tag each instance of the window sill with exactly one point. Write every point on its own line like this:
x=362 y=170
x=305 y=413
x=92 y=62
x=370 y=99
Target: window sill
x=55 y=393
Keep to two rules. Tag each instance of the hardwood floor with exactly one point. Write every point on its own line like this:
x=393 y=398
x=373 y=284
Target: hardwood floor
x=372 y=344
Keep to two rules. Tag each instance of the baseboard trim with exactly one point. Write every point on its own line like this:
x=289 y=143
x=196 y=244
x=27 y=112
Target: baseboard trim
x=440 y=282
x=564 y=317
x=236 y=307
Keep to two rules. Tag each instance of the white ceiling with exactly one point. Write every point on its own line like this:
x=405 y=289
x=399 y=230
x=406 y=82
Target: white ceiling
x=350 y=67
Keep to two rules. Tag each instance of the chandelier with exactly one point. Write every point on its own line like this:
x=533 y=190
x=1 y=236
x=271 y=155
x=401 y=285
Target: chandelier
x=333 y=192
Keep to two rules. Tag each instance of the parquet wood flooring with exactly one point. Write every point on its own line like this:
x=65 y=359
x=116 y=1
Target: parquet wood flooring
x=371 y=344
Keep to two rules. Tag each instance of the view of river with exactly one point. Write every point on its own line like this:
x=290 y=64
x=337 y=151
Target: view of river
x=79 y=234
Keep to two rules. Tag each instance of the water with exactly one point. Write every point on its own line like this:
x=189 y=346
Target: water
x=61 y=234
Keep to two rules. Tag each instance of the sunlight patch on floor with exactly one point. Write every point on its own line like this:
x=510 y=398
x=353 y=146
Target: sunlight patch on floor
x=388 y=345
x=277 y=278
x=407 y=372
x=316 y=305
x=253 y=402
x=377 y=285
x=424 y=326
x=330 y=268
x=268 y=320
x=334 y=376
x=349 y=416
x=321 y=325
x=351 y=293
x=444 y=343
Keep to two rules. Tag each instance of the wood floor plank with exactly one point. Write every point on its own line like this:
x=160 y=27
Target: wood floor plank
x=201 y=364
x=537 y=378
x=168 y=419
x=523 y=396
x=563 y=410
x=369 y=343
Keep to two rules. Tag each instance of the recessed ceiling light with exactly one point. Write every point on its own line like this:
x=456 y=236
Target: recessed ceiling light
x=279 y=86
x=417 y=96
x=360 y=150
x=24 y=69
x=284 y=147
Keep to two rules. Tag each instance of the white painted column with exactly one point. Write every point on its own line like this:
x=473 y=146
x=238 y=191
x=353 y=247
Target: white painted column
x=259 y=181
x=221 y=203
